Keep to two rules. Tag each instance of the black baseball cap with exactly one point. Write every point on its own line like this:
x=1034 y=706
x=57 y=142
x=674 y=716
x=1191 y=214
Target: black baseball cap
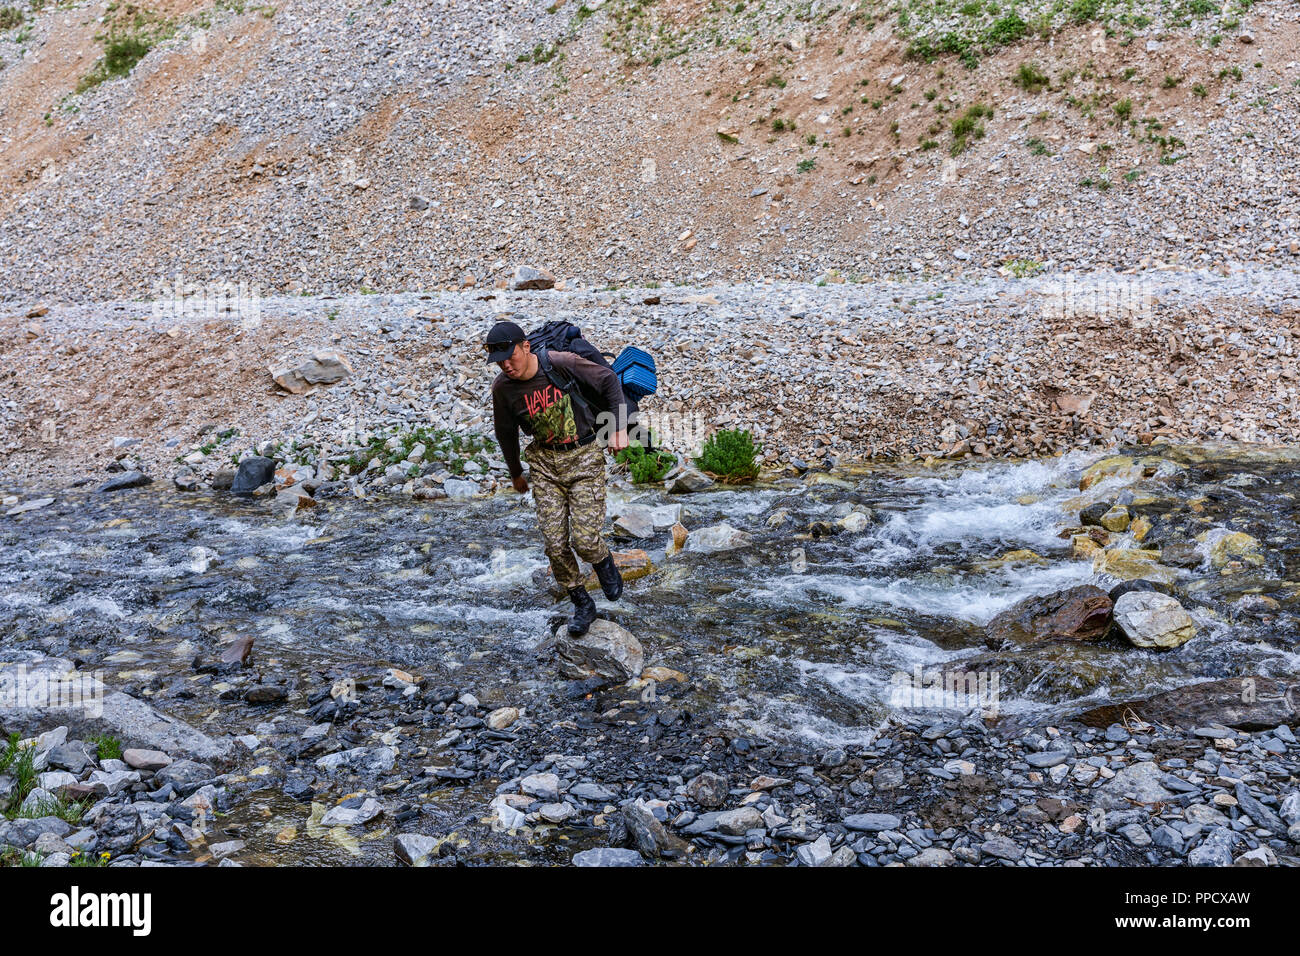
x=501 y=341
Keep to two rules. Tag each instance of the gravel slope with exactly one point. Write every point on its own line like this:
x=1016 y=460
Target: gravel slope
x=998 y=367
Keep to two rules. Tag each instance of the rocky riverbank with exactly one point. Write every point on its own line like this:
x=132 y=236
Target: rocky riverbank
x=389 y=391
x=632 y=781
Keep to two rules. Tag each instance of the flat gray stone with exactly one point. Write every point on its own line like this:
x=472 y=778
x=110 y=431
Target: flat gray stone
x=607 y=856
x=872 y=822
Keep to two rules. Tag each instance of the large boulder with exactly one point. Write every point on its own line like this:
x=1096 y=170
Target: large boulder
x=531 y=277
x=1152 y=619
x=415 y=849
x=717 y=537
x=50 y=692
x=253 y=473
x=606 y=650
x=127 y=479
x=635 y=521
x=1128 y=564
x=607 y=856
x=687 y=480
x=1244 y=703
x=1225 y=547
x=323 y=367
x=1140 y=782
x=1081 y=613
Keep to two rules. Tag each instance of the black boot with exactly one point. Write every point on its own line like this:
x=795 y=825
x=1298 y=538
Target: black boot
x=584 y=611
x=611 y=582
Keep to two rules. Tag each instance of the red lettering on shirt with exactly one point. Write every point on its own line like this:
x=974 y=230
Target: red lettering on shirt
x=541 y=399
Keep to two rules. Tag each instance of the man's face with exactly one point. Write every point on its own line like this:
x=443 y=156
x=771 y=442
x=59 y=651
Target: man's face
x=516 y=366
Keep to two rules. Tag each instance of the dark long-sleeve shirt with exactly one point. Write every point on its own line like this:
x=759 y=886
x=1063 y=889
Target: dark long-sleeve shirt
x=546 y=413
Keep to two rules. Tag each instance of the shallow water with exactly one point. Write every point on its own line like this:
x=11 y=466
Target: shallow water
x=810 y=640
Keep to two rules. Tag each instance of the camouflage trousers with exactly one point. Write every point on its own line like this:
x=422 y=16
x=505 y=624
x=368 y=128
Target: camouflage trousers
x=569 y=489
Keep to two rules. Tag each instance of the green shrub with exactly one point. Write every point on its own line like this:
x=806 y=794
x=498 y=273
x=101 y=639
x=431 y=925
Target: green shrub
x=731 y=454
x=968 y=127
x=1030 y=78
x=10 y=17
x=88 y=859
x=9 y=753
x=131 y=34
x=1007 y=30
x=645 y=466
x=70 y=811
x=107 y=748
x=20 y=763
x=1083 y=10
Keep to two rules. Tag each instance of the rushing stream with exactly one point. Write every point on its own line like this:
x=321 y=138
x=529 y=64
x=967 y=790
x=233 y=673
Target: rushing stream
x=798 y=637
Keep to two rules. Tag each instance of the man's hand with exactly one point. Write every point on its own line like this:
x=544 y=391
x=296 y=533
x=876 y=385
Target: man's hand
x=618 y=441
x=520 y=483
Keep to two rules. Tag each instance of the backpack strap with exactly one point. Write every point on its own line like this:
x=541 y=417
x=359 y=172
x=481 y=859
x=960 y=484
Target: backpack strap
x=561 y=379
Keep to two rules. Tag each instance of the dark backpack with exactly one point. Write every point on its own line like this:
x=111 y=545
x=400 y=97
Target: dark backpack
x=560 y=336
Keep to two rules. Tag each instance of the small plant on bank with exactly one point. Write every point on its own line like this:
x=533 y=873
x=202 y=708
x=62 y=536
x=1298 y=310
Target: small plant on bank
x=9 y=753
x=440 y=444
x=645 y=466
x=1030 y=78
x=968 y=127
x=18 y=762
x=131 y=34
x=106 y=747
x=731 y=455
x=67 y=810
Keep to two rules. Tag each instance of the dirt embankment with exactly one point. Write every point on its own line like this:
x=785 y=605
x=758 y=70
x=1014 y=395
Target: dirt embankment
x=890 y=370
x=330 y=149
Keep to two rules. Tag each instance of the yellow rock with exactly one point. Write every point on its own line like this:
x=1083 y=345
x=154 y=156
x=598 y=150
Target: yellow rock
x=822 y=478
x=1018 y=556
x=662 y=674
x=1107 y=467
x=631 y=565
x=1233 y=546
x=1084 y=547
x=1116 y=519
x=1129 y=564
x=1022 y=554
x=679 y=539
x=1140 y=527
